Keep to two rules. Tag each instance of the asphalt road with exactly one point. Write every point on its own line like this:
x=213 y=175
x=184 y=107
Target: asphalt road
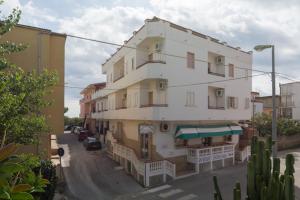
x=94 y=176
x=91 y=175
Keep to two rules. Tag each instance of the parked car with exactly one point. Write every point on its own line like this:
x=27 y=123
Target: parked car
x=91 y=143
x=83 y=134
x=76 y=129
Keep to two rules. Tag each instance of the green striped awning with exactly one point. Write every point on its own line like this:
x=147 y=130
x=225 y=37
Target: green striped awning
x=186 y=132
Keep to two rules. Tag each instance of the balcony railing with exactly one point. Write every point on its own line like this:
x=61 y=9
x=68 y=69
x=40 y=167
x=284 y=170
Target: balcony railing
x=216 y=73
x=211 y=154
x=216 y=107
x=154 y=58
x=153 y=105
x=121 y=107
x=118 y=77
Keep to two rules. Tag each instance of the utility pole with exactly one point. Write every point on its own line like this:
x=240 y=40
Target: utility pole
x=274 y=116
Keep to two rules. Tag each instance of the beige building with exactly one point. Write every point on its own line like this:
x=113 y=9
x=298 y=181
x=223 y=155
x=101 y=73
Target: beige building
x=46 y=49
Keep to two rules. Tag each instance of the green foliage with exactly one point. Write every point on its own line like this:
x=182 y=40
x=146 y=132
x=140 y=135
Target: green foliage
x=263 y=124
x=66 y=109
x=17 y=178
x=263 y=181
x=21 y=102
x=75 y=121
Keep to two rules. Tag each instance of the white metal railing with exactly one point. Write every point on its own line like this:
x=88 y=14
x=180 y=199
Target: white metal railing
x=244 y=154
x=146 y=169
x=206 y=155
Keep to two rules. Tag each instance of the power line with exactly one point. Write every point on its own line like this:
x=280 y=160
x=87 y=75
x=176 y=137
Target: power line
x=162 y=53
x=172 y=86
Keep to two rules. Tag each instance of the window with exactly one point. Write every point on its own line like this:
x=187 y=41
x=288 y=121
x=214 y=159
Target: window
x=136 y=99
x=231 y=70
x=190 y=98
x=132 y=63
x=232 y=102
x=190 y=60
x=247 y=103
x=111 y=77
x=209 y=67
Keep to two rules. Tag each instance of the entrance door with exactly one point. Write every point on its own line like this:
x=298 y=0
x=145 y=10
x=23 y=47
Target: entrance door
x=145 y=146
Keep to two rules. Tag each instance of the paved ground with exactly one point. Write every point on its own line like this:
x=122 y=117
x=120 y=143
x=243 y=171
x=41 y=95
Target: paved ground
x=93 y=176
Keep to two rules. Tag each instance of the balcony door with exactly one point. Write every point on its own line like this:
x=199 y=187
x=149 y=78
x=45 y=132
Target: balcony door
x=150 y=98
x=145 y=145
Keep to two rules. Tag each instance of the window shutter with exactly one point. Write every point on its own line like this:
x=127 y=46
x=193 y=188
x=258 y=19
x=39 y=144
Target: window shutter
x=231 y=70
x=190 y=60
x=236 y=102
x=228 y=102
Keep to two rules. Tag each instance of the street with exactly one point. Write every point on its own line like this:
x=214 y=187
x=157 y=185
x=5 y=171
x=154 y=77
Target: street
x=92 y=175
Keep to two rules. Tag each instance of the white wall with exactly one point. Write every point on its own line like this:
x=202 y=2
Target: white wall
x=175 y=71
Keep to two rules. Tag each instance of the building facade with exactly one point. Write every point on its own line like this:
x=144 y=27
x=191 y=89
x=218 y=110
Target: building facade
x=267 y=104
x=88 y=106
x=172 y=101
x=46 y=50
x=290 y=100
x=257 y=105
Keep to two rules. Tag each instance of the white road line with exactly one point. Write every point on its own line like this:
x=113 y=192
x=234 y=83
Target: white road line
x=156 y=189
x=170 y=193
x=188 y=197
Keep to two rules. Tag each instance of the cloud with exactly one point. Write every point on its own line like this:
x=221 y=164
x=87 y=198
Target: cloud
x=239 y=23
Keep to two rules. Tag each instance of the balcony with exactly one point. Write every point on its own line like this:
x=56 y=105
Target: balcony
x=216 y=98
x=216 y=64
x=118 y=70
x=153 y=58
x=210 y=154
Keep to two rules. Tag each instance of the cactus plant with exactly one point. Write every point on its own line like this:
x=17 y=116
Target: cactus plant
x=263 y=182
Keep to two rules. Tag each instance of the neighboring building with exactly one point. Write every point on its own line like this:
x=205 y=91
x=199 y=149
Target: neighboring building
x=290 y=100
x=46 y=50
x=87 y=106
x=267 y=102
x=164 y=115
x=257 y=105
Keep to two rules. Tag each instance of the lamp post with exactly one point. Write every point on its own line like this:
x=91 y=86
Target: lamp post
x=274 y=124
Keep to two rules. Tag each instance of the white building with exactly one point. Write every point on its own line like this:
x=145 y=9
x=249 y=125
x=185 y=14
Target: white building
x=290 y=100
x=169 y=105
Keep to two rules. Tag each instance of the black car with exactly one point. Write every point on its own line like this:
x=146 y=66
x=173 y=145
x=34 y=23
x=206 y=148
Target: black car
x=92 y=144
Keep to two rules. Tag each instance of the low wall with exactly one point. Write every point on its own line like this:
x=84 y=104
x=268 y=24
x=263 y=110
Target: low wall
x=286 y=142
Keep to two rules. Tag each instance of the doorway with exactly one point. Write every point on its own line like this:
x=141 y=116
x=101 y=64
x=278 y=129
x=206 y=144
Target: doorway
x=145 y=145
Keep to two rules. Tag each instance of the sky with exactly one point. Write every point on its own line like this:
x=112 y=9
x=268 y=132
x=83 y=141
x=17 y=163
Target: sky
x=238 y=22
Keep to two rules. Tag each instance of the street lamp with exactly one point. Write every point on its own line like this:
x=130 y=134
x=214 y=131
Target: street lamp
x=274 y=126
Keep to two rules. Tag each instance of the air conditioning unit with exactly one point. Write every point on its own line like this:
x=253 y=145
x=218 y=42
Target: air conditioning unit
x=219 y=92
x=164 y=127
x=158 y=47
x=162 y=85
x=220 y=60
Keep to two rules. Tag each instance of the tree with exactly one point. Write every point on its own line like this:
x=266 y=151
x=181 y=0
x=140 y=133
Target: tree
x=21 y=93
x=66 y=109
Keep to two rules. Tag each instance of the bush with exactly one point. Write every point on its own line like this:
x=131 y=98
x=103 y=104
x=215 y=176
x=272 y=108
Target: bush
x=48 y=171
x=263 y=124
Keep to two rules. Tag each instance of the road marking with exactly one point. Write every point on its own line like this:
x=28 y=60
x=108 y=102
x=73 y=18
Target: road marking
x=156 y=189
x=188 y=197
x=170 y=193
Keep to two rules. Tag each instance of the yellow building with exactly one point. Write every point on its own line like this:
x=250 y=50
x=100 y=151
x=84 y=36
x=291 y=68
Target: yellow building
x=46 y=50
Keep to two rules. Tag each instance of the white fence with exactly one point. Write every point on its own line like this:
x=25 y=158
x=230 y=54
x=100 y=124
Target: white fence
x=146 y=169
x=244 y=154
x=209 y=155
